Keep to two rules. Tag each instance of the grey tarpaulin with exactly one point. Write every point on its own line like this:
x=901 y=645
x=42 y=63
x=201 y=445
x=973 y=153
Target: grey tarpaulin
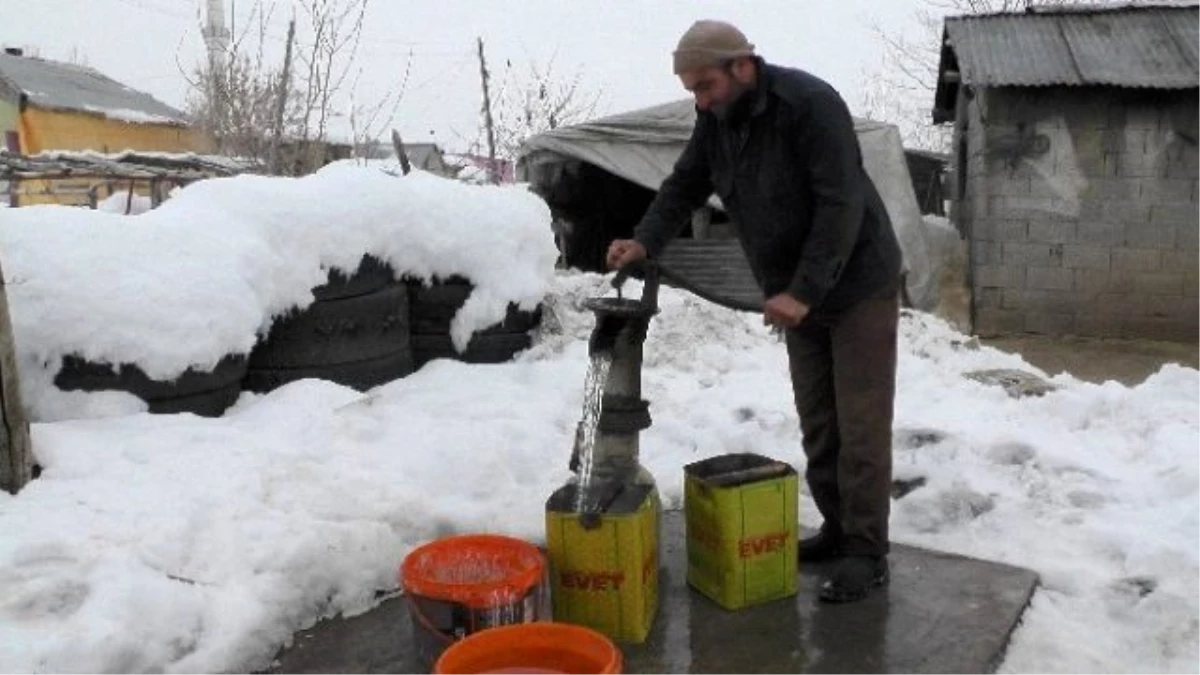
x=641 y=146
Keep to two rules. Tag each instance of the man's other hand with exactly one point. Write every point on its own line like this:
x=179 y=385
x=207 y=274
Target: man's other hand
x=784 y=310
x=624 y=251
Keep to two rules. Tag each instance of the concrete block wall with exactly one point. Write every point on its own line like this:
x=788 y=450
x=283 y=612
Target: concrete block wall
x=1081 y=209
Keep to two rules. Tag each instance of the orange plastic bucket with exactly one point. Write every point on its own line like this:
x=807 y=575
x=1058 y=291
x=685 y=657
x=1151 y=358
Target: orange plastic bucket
x=532 y=648
x=460 y=585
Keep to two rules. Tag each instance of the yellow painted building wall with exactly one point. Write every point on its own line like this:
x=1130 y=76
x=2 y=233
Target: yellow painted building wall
x=43 y=129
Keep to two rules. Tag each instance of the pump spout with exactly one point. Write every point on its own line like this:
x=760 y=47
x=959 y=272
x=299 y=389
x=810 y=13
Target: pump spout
x=605 y=335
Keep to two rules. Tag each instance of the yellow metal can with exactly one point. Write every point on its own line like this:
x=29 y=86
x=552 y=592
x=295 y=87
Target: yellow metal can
x=742 y=523
x=604 y=566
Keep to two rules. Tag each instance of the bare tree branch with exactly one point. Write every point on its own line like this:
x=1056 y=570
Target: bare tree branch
x=238 y=102
x=366 y=125
x=539 y=101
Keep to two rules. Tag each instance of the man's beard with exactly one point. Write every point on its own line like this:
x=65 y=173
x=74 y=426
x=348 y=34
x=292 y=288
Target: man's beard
x=731 y=110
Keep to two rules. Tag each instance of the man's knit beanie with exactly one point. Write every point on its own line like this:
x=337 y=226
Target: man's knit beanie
x=710 y=43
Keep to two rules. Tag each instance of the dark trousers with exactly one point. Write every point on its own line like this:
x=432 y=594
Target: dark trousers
x=843 y=367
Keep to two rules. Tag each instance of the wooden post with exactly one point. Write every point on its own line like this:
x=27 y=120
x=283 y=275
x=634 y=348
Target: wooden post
x=487 y=116
x=16 y=452
x=401 y=154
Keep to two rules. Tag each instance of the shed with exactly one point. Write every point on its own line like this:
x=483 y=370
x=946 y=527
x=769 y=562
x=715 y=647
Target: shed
x=600 y=176
x=1075 y=156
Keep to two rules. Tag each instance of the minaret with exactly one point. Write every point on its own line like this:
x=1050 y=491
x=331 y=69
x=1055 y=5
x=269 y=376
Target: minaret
x=216 y=35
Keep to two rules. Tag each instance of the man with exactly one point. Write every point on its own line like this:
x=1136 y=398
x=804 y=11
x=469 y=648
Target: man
x=779 y=148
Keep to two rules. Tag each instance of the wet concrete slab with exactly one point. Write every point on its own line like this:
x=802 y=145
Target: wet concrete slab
x=941 y=613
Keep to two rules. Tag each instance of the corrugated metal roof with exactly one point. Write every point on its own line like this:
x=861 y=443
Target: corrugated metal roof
x=51 y=84
x=1153 y=47
x=716 y=268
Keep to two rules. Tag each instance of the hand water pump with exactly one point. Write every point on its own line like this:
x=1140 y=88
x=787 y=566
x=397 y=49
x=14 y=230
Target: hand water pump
x=602 y=528
x=620 y=332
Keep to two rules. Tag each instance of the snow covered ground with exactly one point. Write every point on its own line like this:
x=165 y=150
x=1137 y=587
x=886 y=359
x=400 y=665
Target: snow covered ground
x=125 y=204
x=176 y=543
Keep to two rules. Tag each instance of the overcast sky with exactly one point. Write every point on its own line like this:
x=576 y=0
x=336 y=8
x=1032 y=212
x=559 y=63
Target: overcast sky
x=620 y=47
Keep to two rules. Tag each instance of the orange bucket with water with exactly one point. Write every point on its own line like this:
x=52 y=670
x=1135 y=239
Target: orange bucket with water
x=532 y=648
x=461 y=585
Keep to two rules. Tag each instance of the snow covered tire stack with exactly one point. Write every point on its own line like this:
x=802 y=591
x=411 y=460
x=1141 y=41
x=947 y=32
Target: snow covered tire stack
x=362 y=330
x=355 y=333
x=432 y=308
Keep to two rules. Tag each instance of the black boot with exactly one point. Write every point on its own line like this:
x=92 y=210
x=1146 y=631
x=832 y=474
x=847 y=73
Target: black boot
x=825 y=545
x=854 y=577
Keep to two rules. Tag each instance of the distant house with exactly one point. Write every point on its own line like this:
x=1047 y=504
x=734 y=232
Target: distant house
x=1075 y=162
x=48 y=105
x=428 y=157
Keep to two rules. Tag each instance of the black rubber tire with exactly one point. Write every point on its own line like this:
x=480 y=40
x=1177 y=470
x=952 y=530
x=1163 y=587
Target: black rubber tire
x=330 y=332
x=206 y=403
x=441 y=299
x=432 y=308
x=483 y=348
x=201 y=392
x=372 y=275
x=516 y=321
x=360 y=375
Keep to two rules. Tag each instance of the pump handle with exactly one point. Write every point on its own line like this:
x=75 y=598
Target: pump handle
x=645 y=269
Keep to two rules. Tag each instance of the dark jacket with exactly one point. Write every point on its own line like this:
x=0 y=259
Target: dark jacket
x=789 y=170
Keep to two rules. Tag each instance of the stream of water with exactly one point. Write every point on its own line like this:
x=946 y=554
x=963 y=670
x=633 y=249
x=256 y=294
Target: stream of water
x=593 y=394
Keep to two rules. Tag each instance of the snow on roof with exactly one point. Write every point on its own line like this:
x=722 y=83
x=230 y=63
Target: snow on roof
x=147 y=156
x=127 y=164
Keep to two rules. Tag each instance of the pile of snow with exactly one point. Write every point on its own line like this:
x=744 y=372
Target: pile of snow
x=204 y=274
x=174 y=543
x=388 y=165
x=125 y=204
